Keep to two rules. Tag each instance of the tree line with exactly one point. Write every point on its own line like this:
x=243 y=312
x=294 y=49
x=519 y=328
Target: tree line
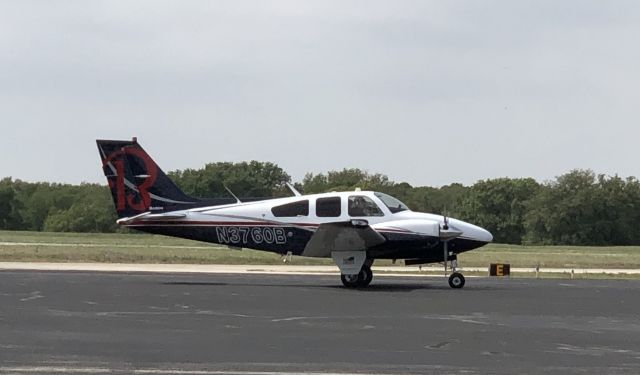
x=577 y=208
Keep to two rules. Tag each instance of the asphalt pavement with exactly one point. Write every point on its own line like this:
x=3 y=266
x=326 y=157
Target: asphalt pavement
x=159 y=323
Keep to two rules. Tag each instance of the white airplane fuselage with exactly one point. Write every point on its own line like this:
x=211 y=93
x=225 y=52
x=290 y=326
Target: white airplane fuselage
x=254 y=225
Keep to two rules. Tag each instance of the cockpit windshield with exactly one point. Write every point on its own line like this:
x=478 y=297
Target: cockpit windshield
x=392 y=203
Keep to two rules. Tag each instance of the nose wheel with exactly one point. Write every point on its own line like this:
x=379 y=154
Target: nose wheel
x=456 y=280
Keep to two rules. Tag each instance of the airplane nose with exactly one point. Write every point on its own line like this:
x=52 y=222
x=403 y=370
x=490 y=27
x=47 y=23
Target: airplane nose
x=484 y=235
x=474 y=232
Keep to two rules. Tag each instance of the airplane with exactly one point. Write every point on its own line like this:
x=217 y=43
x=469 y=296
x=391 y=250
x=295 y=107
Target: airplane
x=354 y=228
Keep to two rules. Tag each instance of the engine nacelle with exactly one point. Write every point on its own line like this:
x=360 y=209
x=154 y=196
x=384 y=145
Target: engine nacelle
x=417 y=226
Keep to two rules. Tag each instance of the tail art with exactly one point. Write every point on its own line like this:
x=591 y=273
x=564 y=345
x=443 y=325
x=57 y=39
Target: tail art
x=137 y=183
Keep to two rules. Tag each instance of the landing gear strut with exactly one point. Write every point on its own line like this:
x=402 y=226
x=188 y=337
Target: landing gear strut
x=456 y=279
x=361 y=280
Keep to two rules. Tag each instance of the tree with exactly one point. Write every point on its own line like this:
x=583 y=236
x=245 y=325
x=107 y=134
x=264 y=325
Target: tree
x=92 y=211
x=42 y=198
x=499 y=205
x=345 y=180
x=9 y=206
x=580 y=208
x=252 y=179
x=577 y=208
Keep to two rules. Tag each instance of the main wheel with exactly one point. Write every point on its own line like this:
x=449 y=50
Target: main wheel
x=365 y=276
x=350 y=281
x=361 y=280
x=456 y=280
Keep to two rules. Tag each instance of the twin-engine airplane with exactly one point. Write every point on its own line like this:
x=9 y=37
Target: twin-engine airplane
x=353 y=228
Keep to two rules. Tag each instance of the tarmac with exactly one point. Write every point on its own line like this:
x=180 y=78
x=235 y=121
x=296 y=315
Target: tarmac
x=88 y=322
x=284 y=269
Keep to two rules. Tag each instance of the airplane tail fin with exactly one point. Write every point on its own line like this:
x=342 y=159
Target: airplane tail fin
x=137 y=184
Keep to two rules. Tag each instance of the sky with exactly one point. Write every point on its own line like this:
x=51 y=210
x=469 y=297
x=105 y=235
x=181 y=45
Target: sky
x=427 y=92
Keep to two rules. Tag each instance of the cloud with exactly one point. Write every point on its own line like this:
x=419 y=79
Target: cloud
x=426 y=92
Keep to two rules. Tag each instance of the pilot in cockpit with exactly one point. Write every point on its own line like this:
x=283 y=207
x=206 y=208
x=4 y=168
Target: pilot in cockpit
x=357 y=206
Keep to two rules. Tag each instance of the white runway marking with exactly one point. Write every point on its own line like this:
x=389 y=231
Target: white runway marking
x=34 y=295
x=53 y=369
x=298 y=318
x=105 y=370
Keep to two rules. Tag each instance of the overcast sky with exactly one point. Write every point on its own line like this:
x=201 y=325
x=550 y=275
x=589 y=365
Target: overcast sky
x=427 y=92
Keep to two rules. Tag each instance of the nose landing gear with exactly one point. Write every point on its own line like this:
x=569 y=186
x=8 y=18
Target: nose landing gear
x=456 y=279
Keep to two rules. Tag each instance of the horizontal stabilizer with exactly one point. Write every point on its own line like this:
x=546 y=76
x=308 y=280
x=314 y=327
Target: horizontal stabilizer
x=167 y=216
x=149 y=216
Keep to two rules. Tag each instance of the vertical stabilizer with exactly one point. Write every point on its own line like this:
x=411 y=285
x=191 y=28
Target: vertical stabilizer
x=137 y=183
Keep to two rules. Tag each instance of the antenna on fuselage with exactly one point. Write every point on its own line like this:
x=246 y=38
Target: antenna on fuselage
x=293 y=190
x=233 y=195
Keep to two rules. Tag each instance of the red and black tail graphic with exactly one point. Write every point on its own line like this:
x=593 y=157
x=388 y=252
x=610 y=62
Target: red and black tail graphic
x=137 y=183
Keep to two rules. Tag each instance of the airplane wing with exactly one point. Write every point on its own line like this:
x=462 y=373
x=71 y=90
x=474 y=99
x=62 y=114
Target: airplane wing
x=342 y=236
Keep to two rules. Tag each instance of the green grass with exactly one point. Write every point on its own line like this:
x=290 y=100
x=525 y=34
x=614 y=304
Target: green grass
x=127 y=248
x=555 y=256
x=144 y=248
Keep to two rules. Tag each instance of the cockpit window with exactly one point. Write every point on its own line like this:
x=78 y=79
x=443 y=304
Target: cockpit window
x=360 y=205
x=392 y=203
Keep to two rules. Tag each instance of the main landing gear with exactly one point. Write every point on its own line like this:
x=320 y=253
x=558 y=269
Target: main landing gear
x=360 y=280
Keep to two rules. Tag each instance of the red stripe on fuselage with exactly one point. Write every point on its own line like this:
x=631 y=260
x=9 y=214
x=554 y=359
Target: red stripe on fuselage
x=395 y=230
x=242 y=224
x=220 y=223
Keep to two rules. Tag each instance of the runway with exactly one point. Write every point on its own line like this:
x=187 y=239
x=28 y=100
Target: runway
x=83 y=322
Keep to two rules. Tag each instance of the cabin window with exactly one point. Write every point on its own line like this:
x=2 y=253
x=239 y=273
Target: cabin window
x=328 y=207
x=300 y=208
x=360 y=205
